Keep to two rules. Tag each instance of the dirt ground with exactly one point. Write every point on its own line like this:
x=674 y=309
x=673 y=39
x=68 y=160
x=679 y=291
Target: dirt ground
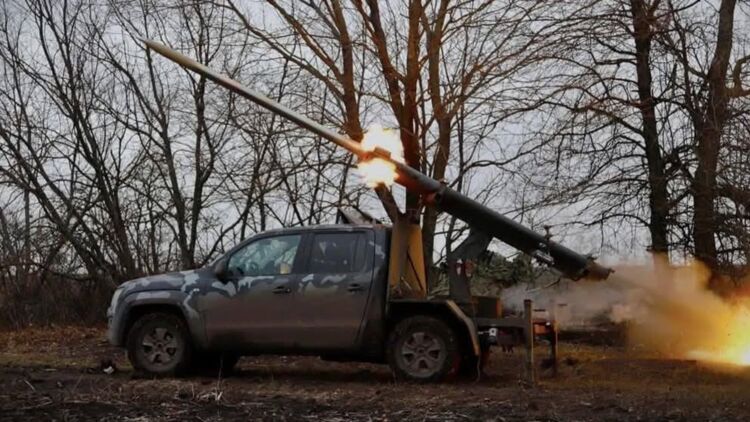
x=56 y=374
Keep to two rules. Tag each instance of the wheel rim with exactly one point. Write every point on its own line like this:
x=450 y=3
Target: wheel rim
x=160 y=346
x=422 y=354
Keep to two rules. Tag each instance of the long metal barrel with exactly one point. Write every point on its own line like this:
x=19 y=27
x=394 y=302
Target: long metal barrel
x=571 y=263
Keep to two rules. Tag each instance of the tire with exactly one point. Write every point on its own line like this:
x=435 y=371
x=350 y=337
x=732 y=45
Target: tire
x=422 y=349
x=158 y=344
x=215 y=363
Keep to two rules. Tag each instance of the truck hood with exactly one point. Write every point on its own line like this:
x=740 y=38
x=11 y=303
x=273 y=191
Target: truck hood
x=168 y=281
x=154 y=284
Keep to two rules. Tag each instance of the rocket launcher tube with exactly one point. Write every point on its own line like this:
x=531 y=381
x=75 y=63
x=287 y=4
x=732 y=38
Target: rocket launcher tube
x=572 y=264
x=407 y=176
x=569 y=262
x=257 y=98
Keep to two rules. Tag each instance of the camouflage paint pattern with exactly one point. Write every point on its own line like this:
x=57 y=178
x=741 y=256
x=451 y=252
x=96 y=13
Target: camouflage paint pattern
x=319 y=311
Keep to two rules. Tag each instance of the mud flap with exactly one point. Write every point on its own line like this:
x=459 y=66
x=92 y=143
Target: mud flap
x=471 y=328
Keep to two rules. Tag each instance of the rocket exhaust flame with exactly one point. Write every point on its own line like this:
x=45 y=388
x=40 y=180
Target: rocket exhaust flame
x=669 y=311
x=678 y=315
x=376 y=170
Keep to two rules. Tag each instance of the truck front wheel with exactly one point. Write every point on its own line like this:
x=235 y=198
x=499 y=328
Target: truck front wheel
x=158 y=344
x=423 y=349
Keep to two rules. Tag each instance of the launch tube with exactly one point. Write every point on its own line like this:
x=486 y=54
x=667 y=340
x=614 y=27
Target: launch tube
x=572 y=264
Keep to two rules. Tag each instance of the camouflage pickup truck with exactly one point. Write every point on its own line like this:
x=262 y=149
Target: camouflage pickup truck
x=320 y=290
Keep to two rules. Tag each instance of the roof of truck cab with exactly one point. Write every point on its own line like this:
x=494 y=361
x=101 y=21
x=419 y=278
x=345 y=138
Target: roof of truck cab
x=304 y=229
x=323 y=227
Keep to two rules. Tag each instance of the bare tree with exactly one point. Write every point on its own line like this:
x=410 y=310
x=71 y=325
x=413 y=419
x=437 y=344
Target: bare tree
x=61 y=145
x=614 y=152
x=435 y=59
x=707 y=96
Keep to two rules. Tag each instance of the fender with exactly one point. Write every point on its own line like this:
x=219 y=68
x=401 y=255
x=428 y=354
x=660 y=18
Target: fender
x=175 y=299
x=470 y=326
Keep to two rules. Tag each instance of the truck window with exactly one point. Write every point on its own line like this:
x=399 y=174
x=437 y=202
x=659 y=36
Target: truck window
x=338 y=253
x=267 y=256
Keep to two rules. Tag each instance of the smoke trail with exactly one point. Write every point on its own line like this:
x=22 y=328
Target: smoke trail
x=669 y=310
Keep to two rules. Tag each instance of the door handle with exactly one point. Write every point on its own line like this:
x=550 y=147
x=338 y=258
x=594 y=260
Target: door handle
x=354 y=287
x=282 y=290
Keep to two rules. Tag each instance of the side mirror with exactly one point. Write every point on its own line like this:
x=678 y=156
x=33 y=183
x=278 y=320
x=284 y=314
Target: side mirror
x=220 y=270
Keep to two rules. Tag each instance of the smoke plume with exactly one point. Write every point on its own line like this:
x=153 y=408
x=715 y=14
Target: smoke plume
x=669 y=310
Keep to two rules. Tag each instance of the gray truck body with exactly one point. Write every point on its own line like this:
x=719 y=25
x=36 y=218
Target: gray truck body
x=328 y=312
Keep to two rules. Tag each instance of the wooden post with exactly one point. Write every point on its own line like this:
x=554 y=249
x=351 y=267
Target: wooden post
x=553 y=338
x=529 y=331
x=553 y=341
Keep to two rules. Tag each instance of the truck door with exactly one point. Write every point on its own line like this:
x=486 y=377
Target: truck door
x=333 y=295
x=251 y=309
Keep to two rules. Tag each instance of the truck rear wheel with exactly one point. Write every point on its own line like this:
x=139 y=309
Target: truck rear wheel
x=423 y=349
x=158 y=344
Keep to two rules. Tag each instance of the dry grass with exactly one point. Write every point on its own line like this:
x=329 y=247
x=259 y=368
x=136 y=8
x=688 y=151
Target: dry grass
x=56 y=370
x=73 y=347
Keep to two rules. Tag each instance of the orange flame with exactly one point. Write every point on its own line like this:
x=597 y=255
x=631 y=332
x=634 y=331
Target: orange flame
x=676 y=313
x=376 y=171
x=732 y=344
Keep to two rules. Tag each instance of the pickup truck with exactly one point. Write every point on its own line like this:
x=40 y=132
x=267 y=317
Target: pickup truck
x=319 y=290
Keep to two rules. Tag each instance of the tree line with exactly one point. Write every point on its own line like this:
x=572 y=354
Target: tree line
x=623 y=118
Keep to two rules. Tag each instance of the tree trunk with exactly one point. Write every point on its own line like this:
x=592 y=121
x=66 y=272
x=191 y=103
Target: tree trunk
x=708 y=131
x=434 y=36
x=658 y=194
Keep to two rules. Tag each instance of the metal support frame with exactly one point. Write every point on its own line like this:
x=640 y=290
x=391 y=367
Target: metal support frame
x=470 y=249
x=407 y=277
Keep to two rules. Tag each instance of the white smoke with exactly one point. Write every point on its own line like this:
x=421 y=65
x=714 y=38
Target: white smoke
x=574 y=304
x=584 y=303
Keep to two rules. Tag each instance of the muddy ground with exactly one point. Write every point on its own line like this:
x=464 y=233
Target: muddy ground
x=55 y=374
